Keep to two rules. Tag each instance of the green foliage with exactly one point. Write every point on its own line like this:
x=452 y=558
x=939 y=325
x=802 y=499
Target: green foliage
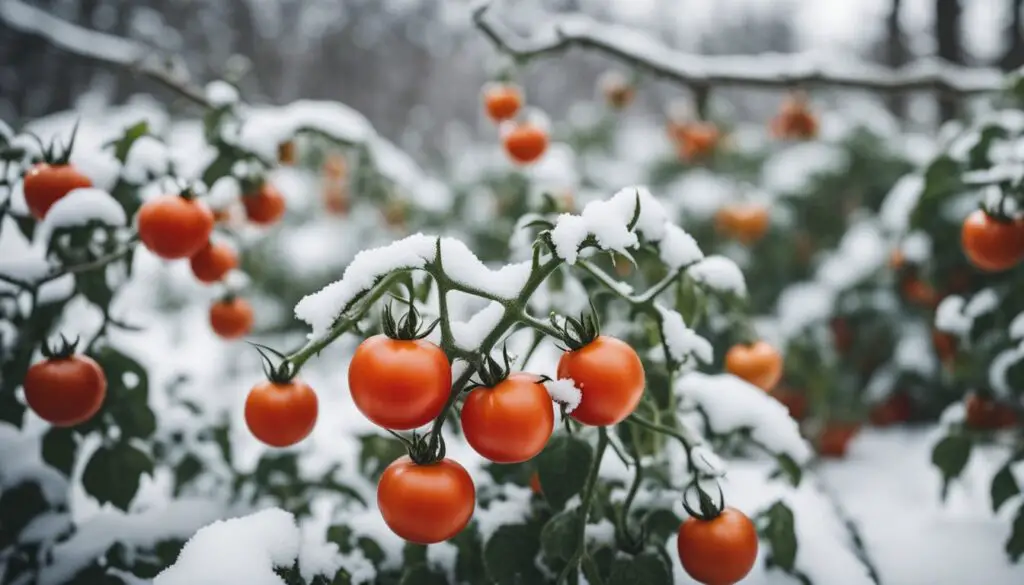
x=562 y=467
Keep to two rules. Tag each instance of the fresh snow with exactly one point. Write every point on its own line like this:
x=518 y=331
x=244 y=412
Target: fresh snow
x=82 y=207
x=564 y=391
x=683 y=342
x=720 y=274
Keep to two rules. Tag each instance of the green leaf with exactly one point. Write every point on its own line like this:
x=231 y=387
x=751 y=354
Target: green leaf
x=127 y=400
x=558 y=538
x=509 y=555
x=562 y=467
x=131 y=134
x=59 y=449
x=187 y=469
x=779 y=530
x=414 y=554
x=19 y=504
x=789 y=468
x=469 y=563
x=94 y=287
x=1015 y=544
x=661 y=524
x=114 y=472
x=421 y=574
x=377 y=453
x=26 y=225
x=1004 y=487
x=646 y=568
x=220 y=167
x=950 y=455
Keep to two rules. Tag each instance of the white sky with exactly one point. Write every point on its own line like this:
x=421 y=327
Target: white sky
x=840 y=23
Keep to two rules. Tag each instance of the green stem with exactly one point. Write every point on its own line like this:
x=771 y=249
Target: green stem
x=589 y=488
x=591 y=571
x=688 y=439
x=638 y=476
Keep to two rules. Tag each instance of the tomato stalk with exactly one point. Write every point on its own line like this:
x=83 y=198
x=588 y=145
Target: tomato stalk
x=627 y=541
x=585 y=504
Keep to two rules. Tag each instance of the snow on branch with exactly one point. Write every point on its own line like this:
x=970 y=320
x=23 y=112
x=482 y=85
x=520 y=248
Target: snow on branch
x=101 y=47
x=767 y=70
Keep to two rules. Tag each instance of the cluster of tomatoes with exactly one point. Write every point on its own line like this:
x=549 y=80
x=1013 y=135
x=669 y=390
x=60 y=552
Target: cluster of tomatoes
x=179 y=226
x=524 y=141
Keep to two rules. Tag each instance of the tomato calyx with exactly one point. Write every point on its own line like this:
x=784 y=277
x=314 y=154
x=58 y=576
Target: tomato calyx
x=491 y=371
x=423 y=450
x=52 y=154
x=578 y=333
x=188 y=193
x=280 y=374
x=64 y=351
x=709 y=510
x=408 y=327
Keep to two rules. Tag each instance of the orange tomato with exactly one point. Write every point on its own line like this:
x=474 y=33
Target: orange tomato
x=525 y=143
x=281 y=414
x=694 y=140
x=893 y=410
x=502 y=101
x=758 y=363
x=990 y=244
x=921 y=293
x=45 y=184
x=265 y=206
x=399 y=384
x=286 y=153
x=426 y=504
x=719 y=551
x=213 y=262
x=835 y=439
x=231 y=318
x=65 y=391
x=175 y=227
x=617 y=90
x=746 y=222
x=795 y=121
x=610 y=376
x=511 y=422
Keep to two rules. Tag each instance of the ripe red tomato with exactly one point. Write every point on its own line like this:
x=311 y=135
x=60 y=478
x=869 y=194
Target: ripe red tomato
x=720 y=551
x=526 y=143
x=213 y=262
x=502 y=101
x=175 y=227
x=511 y=422
x=45 y=184
x=610 y=376
x=795 y=121
x=758 y=363
x=399 y=384
x=265 y=206
x=231 y=318
x=426 y=504
x=893 y=410
x=990 y=244
x=694 y=140
x=65 y=391
x=281 y=414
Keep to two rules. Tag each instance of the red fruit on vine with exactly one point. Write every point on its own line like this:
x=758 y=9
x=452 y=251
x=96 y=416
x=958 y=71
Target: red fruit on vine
x=510 y=422
x=835 y=439
x=758 y=363
x=231 y=317
x=213 y=262
x=695 y=140
x=65 y=389
x=281 y=414
x=426 y=504
x=746 y=222
x=893 y=410
x=525 y=143
x=265 y=206
x=175 y=226
x=502 y=101
x=45 y=184
x=399 y=384
x=610 y=376
x=992 y=244
x=718 y=551
x=795 y=121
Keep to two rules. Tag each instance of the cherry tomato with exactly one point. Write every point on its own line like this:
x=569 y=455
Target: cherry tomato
x=502 y=101
x=265 y=206
x=526 y=143
x=174 y=227
x=65 y=391
x=945 y=346
x=46 y=184
x=231 y=318
x=281 y=414
x=399 y=384
x=795 y=121
x=426 y=504
x=610 y=376
x=992 y=245
x=835 y=438
x=747 y=223
x=893 y=410
x=758 y=363
x=511 y=422
x=617 y=90
x=286 y=153
x=213 y=262
x=720 y=551
x=694 y=140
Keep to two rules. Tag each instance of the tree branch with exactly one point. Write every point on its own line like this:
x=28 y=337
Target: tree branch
x=100 y=47
x=769 y=70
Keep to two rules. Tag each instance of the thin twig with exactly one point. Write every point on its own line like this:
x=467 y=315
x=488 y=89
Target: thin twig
x=640 y=50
